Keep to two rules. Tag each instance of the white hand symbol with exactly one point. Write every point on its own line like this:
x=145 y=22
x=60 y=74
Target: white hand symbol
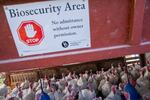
x=30 y=30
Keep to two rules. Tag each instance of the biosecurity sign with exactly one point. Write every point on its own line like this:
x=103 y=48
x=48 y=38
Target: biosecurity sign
x=49 y=26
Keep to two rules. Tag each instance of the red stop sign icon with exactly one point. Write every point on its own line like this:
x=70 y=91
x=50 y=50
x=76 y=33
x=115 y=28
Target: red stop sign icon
x=30 y=33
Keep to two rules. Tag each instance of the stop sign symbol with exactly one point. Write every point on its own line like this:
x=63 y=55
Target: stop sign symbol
x=30 y=33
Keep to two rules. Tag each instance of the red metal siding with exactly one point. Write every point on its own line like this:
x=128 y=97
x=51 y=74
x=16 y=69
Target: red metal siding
x=116 y=29
x=146 y=23
x=109 y=22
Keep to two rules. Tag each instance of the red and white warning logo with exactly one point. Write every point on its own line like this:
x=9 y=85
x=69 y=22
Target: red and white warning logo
x=30 y=33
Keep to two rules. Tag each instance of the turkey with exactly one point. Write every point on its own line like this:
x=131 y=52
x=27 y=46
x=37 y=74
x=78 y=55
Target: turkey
x=4 y=89
x=61 y=82
x=82 y=82
x=70 y=93
x=71 y=96
x=143 y=86
x=112 y=68
x=98 y=76
x=20 y=94
x=106 y=88
x=113 y=78
x=92 y=81
x=88 y=86
x=25 y=84
x=102 y=82
x=137 y=66
x=74 y=74
x=144 y=92
x=124 y=77
x=88 y=94
x=42 y=92
x=142 y=81
x=12 y=98
x=115 y=94
x=135 y=73
x=69 y=76
x=30 y=95
x=58 y=94
x=35 y=85
x=53 y=79
x=80 y=95
x=39 y=91
x=74 y=86
x=147 y=73
x=51 y=90
x=119 y=68
x=67 y=89
x=86 y=75
x=15 y=90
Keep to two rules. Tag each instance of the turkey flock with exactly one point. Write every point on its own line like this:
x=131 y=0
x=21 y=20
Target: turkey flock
x=116 y=83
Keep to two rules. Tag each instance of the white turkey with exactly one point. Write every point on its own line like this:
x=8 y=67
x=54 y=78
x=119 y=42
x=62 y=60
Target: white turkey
x=25 y=84
x=70 y=93
x=50 y=90
x=135 y=73
x=113 y=78
x=115 y=94
x=74 y=86
x=137 y=66
x=80 y=95
x=69 y=76
x=124 y=77
x=30 y=95
x=82 y=82
x=102 y=82
x=63 y=82
x=106 y=88
x=86 y=75
x=53 y=79
x=144 y=92
x=58 y=94
x=112 y=68
x=39 y=90
x=119 y=68
x=88 y=94
x=98 y=75
x=15 y=90
x=92 y=81
x=111 y=94
x=147 y=73
x=35 y=85
x=142 y=81
x=4 y=89
x=20 y=94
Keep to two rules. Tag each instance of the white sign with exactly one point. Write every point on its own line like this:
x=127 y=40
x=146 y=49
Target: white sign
x=49 y=26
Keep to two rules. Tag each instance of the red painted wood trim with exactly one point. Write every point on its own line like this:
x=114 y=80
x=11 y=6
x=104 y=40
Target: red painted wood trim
x=137 y=22
x=76 y=58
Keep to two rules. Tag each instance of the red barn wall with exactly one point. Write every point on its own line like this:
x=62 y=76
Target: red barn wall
x=118 y=28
